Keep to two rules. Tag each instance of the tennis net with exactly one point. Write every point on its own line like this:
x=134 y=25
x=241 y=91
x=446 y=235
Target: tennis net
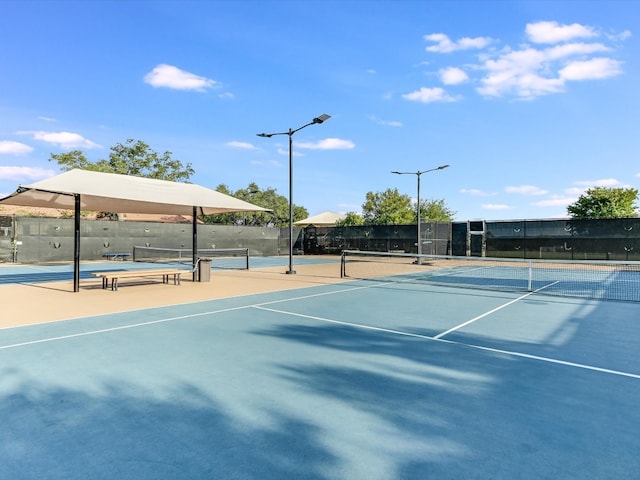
x=221 y=258
x=604 y=280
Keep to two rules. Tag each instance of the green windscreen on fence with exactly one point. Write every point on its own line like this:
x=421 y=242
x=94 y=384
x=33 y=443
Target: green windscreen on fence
x=221 y=258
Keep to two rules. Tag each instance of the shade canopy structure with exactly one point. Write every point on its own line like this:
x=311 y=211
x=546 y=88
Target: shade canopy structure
x=324 y=219
x=111 y=192
x=79 y=190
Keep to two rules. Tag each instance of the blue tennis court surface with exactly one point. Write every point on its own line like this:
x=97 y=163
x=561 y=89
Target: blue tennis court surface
x=55 y=273
x=357 y=380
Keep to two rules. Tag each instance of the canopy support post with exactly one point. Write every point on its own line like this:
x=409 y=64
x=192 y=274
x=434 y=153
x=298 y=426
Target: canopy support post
x=76 y=244
x=194 y=244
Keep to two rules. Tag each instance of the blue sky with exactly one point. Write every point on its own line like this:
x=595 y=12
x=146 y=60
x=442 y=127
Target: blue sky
x=529 y=102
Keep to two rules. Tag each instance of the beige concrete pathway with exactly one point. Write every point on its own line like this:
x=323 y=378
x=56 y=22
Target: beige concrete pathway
x=26 y=304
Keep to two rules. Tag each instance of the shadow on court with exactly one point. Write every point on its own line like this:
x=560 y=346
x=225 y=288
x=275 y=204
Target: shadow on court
x=466 y=414
x=72 y=435
x=228 y=389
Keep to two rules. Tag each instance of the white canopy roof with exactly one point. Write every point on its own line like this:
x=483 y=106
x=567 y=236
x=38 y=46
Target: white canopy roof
x=110 y=192
x=322 y=219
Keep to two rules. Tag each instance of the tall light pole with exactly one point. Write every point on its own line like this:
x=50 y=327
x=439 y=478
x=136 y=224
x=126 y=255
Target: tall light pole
x=320 y=119
x=418 y=174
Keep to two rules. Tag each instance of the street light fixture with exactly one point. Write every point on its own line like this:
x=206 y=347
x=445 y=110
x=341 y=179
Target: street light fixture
x=418 y=174
x=320 y=119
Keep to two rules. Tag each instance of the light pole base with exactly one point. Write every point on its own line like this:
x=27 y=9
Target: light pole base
x=290 y=272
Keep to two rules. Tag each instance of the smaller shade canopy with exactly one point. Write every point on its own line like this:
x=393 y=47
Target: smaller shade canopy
x=111 y=192
x=321 y=220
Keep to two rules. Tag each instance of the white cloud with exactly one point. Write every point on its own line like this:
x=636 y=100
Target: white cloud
x=282 y=151
x=567 y=50
x=495 y=206
x=556 y=55
x=63 y=139
x=552 y=32
x=429 y=95
x=529 y=72
x=477 y=193
x=575 y=191
x=595 y=68
x=603 y=182
x=169 y=76
x=519 y=72
x=273 y=163
x=619 y=36
x=241 y=145
x=445 y=45
x=22 y=173
x=386 y=123
x=526 y=190
x=555 y=201
x=7 y=147
x=453 y=76
x=328 y=144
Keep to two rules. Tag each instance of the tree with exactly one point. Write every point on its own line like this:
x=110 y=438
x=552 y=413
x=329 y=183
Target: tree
x=134 y=158
x=350 y=219
x=387 y=208
x=435 y=211
x=604 y=202
x=267 y=198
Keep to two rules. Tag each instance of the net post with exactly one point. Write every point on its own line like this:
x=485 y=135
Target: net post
x=530 y=282
x=342 y=264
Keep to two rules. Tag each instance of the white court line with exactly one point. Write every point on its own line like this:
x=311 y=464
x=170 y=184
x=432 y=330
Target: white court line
x=458 y=327
x=470 y=345
x=164 y=320
x=348 y=324
x=355 y=325
x=342 y=290
x=122 y=327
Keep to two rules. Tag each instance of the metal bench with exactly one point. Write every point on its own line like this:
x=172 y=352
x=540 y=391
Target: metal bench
x=116 y=255
x=113 y=277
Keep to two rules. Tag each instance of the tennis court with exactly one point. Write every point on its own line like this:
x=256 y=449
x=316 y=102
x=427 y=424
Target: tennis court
x=357 y=379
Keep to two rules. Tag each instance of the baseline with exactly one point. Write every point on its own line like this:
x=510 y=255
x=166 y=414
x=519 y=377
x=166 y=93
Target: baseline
x=450 y=342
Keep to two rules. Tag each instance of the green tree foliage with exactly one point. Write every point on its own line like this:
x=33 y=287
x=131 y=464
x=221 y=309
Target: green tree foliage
x=604 y=202
x=435 y=211
x=350 y=219
x=134 y=157
x=267 y=198
x=392 y=208
x=387 y=208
